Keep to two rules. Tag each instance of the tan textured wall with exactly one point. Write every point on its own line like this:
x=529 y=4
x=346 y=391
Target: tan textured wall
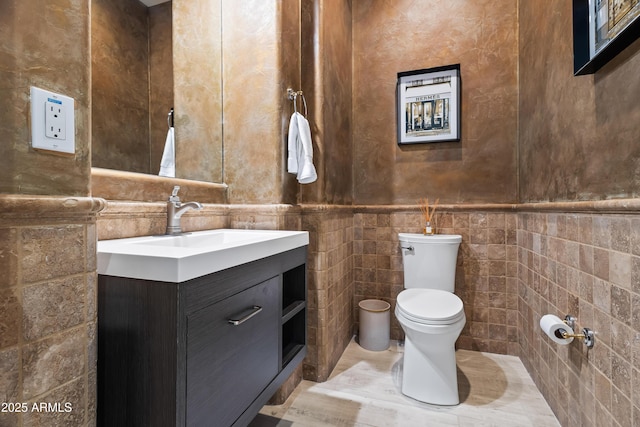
x=289 y=55
x=120 y=85
x=132 y=84
x=252 y=108
x=327 y=80
x=160 y=80
x=578 y=136
x=40 y=43
x=256 y=108
x=395 y=36
x=198 y=89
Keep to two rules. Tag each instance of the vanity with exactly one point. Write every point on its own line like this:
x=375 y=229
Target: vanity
x=198 y=329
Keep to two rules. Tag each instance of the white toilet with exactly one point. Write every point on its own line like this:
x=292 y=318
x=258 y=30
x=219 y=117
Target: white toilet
x=431 y=316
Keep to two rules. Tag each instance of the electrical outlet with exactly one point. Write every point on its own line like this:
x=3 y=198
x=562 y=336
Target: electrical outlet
x=52 y=121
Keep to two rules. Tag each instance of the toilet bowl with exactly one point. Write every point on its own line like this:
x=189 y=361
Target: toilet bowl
x=432 y=317
x=432 y=321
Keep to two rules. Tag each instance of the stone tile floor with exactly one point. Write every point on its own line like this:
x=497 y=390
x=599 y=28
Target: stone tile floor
x=364 y=390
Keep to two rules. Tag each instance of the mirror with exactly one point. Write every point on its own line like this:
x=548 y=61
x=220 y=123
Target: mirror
x=146 y=60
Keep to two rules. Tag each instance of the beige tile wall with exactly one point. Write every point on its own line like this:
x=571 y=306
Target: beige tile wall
x=131 y=219
x=587 y=265
x=48 y=309
x=486 y=275
x=330 y=287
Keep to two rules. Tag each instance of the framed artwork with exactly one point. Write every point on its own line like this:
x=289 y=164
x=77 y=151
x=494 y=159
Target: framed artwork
x=601 y=30
x=428 y=105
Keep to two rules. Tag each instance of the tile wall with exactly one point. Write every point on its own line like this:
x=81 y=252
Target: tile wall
x=587 y=265
x=486 y=274
x=330 y=287
x=48 y=310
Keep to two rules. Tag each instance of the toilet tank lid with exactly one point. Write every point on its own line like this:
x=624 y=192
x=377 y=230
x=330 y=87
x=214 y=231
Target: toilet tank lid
x=434 y=238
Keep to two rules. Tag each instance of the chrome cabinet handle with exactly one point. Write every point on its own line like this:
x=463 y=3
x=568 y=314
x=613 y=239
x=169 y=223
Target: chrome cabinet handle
x=235 y=321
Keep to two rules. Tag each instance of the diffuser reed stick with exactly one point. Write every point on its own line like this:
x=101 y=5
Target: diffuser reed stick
x=428 y=213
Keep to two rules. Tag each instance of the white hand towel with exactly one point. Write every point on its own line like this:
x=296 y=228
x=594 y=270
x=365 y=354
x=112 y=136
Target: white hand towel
x=300 y=150
x=306 y=169
x=168 y=162
x=292 y=159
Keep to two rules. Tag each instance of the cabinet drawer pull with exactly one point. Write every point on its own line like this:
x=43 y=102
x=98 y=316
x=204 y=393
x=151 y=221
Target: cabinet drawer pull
x=235 y=322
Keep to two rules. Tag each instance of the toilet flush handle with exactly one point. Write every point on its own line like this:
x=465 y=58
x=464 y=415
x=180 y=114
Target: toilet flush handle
x=408 y=248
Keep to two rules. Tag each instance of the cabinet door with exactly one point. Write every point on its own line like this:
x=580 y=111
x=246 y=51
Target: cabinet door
x=228 y=365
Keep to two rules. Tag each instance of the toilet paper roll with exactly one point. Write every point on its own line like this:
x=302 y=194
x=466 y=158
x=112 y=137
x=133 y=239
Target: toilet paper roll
x=552 y=326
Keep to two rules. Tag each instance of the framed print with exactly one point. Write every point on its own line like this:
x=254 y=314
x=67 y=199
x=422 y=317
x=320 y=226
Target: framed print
x=428 y=105
x=601 y=30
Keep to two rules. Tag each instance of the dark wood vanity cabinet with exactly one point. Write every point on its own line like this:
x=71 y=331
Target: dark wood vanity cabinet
x=206 y=352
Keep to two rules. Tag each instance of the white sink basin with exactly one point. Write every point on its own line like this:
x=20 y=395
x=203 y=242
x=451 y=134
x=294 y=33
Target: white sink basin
x=187 y=256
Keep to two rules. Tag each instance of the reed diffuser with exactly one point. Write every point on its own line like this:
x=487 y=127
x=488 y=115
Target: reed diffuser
x=428 y=214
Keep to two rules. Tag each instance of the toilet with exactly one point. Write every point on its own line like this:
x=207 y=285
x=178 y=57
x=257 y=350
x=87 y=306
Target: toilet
x=432 y=317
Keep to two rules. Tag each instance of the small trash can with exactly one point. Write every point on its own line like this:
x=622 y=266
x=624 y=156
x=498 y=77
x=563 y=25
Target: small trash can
x=374 y=324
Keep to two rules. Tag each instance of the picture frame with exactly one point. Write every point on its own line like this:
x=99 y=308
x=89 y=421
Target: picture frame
x=601 y=30
x=428 y=105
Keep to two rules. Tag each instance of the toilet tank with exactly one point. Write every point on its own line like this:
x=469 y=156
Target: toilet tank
x=429 y=261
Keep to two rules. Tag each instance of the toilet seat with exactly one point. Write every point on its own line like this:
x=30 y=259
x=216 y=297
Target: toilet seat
x=430 y=306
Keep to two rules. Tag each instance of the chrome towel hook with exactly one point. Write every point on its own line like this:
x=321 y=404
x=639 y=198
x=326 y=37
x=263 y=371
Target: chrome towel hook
x=293 y=96
x=170 y=118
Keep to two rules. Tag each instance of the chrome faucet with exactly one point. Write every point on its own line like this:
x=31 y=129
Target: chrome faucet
x=175 y=209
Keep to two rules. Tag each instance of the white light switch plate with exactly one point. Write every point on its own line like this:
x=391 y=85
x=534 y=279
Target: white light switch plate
x=52 y=121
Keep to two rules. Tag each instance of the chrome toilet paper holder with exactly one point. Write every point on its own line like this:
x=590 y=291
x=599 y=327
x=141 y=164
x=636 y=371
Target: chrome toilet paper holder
x=588 y=336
